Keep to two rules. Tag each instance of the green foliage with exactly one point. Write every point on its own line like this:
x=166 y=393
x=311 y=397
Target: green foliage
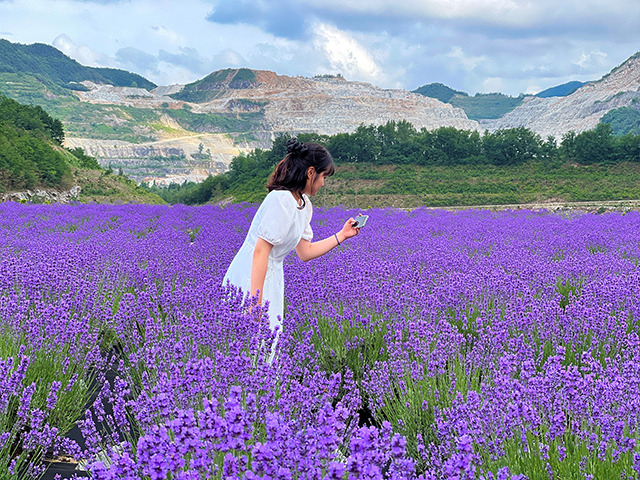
x=46 y=62
x=439 y=91
x=413 y=398
x=569 y=457
x=30 y=151
x=623 y=120
x=245 y=75
x=211 y=86
x=512 y=146
x=31 y=118
x=560 y=90
x=27 y=161
x=486 y=105
x=85 y=161
x=591 y=146
x=351 y=343
x=209 y=122
x=569 y=290
x=25 y=88
x=628 y=148
x=48 y=364
x=443 y=167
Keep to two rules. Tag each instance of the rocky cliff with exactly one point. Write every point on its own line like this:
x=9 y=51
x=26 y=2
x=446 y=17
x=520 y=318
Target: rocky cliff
x=324 y=105
x=242 y=109
x=580 y=111
x=191 y=157
x=330 y=105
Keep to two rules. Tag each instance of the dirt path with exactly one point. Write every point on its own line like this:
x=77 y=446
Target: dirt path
x=590 y=206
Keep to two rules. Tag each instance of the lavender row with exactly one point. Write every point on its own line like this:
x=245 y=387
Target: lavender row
x=472 y=344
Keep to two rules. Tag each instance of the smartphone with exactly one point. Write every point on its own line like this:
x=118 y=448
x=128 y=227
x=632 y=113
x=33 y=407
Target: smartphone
x=360 y=221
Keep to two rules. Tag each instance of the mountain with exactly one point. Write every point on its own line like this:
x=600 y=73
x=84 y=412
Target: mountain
x=581 y=110
x=439 y=91
x=211 y=87
x=480 y=106
x=34 y=166
x=186 y=132
x=560 y=90
x=203 y=125
x=50 y=64
x=175 y=133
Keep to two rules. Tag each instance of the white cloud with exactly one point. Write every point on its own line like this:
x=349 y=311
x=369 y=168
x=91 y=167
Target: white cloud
x=471 y=45
x=345 y=54
x=468 y=62
x=495 y=12
x=229 y=57
x=167 y=34
x=492 y=85
x=82 y=53
x=592 y=60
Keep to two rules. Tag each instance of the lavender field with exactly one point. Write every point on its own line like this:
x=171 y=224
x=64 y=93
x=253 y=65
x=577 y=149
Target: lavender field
x=475 y=344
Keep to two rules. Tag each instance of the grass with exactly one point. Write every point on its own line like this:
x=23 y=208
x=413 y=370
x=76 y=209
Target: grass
x=365 y=185
x=362 y=185
x=99 y=187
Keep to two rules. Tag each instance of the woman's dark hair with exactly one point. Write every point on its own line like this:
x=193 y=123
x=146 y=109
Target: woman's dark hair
x=291 y=173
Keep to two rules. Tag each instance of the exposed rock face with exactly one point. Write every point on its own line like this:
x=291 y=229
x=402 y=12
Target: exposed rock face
x=176 y=160
x=325 y=105
x=330 y=105
x=580 y=111
x=129 y=96
x=42 y=196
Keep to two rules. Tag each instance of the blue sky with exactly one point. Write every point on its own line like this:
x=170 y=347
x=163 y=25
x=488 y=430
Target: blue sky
x=510 y=46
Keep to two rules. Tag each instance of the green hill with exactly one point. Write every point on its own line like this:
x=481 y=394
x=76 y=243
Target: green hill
x=49 y=64
x=624 y=120
x=480 y=106
x=41 y=75
x=30 y=148
x=561 y=90
x=439 y=91
x=32 y=156
x=486 y=105
x=214 y=84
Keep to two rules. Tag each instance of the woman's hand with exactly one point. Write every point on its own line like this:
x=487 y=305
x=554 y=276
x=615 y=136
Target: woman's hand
x=348 y=230
x=308 y=251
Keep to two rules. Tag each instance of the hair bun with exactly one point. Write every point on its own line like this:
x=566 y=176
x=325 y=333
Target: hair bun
x=295 y=147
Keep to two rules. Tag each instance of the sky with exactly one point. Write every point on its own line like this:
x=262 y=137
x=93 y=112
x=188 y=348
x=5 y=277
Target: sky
x=476 y=46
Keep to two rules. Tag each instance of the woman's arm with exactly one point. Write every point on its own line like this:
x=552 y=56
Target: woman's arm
x=308 y=251
x=259 y=266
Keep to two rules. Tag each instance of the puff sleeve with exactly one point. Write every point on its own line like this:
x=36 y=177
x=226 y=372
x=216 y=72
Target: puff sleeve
x=308 y=231
x=277 y=218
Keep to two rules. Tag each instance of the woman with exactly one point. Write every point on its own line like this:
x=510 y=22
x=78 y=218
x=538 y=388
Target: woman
x=281 y=224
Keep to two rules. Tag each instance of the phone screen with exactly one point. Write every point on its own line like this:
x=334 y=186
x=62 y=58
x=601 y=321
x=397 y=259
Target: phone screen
x=361 y=221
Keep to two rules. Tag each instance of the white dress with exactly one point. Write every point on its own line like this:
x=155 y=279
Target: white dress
x=281 y=222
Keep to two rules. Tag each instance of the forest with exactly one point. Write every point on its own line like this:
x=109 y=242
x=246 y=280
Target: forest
x=399 y=145
x=31 y=152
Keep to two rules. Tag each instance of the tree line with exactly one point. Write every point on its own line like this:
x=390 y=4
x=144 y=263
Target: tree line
x=400 y=143
x=31 y=152
x=46 y=62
